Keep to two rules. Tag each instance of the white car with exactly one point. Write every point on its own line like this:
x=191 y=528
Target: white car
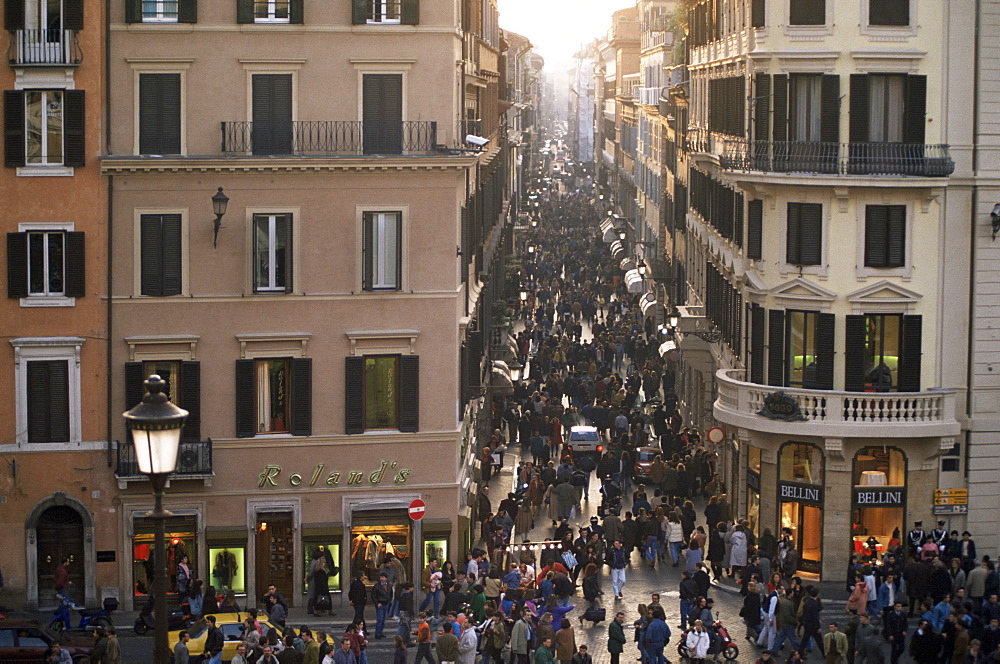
x=584 y=441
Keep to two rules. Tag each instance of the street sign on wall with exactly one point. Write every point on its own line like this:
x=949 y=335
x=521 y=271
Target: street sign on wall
x=951 y=497
x=950 y=509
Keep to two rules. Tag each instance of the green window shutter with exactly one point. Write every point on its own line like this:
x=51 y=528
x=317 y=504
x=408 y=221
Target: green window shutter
x=48 y=401
x=13 y=15
x=171 y=257
x=76 y=272
x=244 y=11
x=296 y=12
x=758 y=315
x=793 y=234
x=830 y=109
x=301 y=381
x=825 y=336
x=914 y=121
x=150 y=250
x=762 y=108
x=755 y=229
x=17 y=265
x=191 y=392
x=72 y=14
x=187 y=11
x=854 y=354
x=367 y=249
x=807 y=12
x=354 y=393
x=74 y=128
x=811 y=230
x=289 y=252
x=409 y=393
x=382 y=113
x=272 y=114
x=860 y=108
x=758 y=14
x=359 y=12
x=246 y=399
x=889 y=12
x=13 y=128
x=133 y=11
x=159 y=114
x=909 y=365
x=780 y=85
x=134 y=387
x=411 y=12
x=876 y=235
x=896 y=236
x=776 y=347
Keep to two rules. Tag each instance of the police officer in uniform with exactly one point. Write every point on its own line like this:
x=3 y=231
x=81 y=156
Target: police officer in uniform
x=940 y=535
x=915 y=538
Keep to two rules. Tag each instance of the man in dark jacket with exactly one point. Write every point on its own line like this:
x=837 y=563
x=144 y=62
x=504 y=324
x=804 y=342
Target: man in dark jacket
x=213 y=642
x=688 y=592
x=894 y=630
x=925 y=644
x=616 y=637
x=406 y=612
x=810 y=622
x=357 y=595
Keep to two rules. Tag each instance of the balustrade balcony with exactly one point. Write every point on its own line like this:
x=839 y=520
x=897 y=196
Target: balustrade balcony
x=892 y=159
x=44 y=47
x=329 y=137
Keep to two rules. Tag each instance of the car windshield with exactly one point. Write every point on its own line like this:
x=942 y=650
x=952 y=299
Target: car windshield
x=647 y=455
x=196 y=629
x=584 y=435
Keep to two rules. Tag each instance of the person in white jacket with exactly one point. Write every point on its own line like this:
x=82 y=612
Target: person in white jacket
x=675 y=537
x=698 y=642
x=467 y=644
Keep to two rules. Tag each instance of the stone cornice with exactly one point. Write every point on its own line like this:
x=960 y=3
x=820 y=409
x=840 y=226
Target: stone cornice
x=210 y=164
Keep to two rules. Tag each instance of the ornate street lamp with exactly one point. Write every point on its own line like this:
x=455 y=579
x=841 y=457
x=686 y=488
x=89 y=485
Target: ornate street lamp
x=156 y=426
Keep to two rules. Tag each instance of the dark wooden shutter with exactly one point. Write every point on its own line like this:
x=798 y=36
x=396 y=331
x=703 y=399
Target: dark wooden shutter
x=916 y=108
x=171 y=229
x=72 y=14
x=354 y=393
x=411 y=12
x=13 y=128
x=807 y=12
x=272 y=114
x=134 y=384
x=793 y=234
x=876 y=232
x=187 y=11
x=159 y=113
x=13 y=15
x=382 y=113
x=896 y=236
x=811 y=230
x=780 y=84
x=76 y=265
x=758 y=14
x=150 y=251
x=289 y=286
x=776 y=347
x=17 y=265
x=860 y=108
x=755 y=229
x=133 y=11
x=854 y=353
x=825 y=335
x=409 y=393
x=359 y=12
x=48 y=401
x=762 y=108
x=296 y=12
x=246 y=399
x=190 y=380
x=758 y=315
x=74 y=128
x=889 y=12
x=829 y=131
x=909 y=365
x=244 y=12
x=301 y=396
x=367 y=248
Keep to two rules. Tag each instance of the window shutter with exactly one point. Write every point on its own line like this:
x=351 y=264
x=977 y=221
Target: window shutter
x=171 y=230
x=889 y=12
x=359 y=12
x=296 y=12
x=48 y=401
x=13 y=127
x=354 y=392
x=301 y=396
x=776 y=347
x=72 y=14
x=793 y=234
x=825 y=334
x=755 y=229
x=134 y=387
x=409 y=393
x=876 y=228
x=909 y=365
x=13 y=15
x=811 y=230
x=150 y=234
x=74 y=116
x=187 y=11
x=830 y=114
x=896 y=234
x=272 y=114
x=758 y=17
x=382 y=113
x=762 y=107
x=780 y=83
x=17 y=265
x=246 y=399
x=757 y=323
x=133 y=11
x=159 y=113
x=411 y=12
x=807 y=12
x=854 y=354
x=860 y=108
x=916 y=109
x=191 y=393
x=244 y=11
x=367 y=249
x=289 y=286
x=76 y=273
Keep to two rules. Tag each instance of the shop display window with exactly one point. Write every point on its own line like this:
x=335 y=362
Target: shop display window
x=879 y=466
x=801 y=462
x=180 y=538
x=372 y=537
x=753 y=459
x=435 y=550
x=878 y=474
x=228 y=569
x=331 y=556
x=753 y=511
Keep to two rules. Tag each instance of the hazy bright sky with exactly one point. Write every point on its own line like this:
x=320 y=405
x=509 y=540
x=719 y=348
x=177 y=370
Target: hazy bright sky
x=558 y=28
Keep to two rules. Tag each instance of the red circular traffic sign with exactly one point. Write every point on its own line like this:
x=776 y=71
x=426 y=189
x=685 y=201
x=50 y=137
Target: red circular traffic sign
x=716 y=435
x=417 y=509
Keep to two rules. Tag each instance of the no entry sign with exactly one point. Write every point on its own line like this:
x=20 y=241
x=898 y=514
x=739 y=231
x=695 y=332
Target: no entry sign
x=417 y=509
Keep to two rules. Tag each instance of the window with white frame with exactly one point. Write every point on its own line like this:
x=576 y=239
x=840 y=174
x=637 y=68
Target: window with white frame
x=271 y=11
x=47 y=375
x=382 y=251
x=44 y=127
x=159 y=11
x=384 y=11
x=272 y=234
x=45 y=264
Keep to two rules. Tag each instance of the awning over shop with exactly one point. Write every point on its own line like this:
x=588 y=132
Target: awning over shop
x=666 y=347
x=628 y=264
x=633 y=281
x=607 y=224
x=617 y=250
x=648 y=304
x=610 y=234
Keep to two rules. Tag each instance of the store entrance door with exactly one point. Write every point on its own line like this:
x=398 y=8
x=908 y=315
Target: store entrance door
x=274 y=550
x=806 y=523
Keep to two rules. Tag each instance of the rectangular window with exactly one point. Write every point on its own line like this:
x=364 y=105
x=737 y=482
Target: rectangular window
x=44 y=127
x=46 y=263
x=381 y=392
x=183 y=380
x=48 y=401
x=801 y=348
x=805 y=107
x=382 y=113
x=804 y=236
x=272 y=114
x=384 y=11
x=883 y=349
x=159 y=113
x=885 y=236
x=160 y=249
x=887 y=95
x=889 y=12
x=159 y=11
x=807 y=12
x=271 y=11
x=272 y=236
x=382 y=250
x=272 y=390
x=170 y=372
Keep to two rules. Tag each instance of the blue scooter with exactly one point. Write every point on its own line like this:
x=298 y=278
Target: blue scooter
x=89 y=618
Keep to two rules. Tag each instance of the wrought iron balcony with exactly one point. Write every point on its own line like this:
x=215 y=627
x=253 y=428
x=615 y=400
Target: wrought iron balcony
x=194 y=459
x=895 y=159
x=329 y=137
x=44 y=47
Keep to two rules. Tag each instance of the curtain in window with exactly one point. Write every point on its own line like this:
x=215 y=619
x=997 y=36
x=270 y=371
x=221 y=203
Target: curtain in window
x=887 y=104
x=806 y=104
x=385 y=249
x=263 y=397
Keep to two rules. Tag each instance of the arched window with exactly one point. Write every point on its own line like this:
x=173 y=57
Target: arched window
x=800 y=462
x=879 y=466
x=878 y=499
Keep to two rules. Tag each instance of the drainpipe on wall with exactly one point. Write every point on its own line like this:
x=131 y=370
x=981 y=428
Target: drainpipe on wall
x=109 y=410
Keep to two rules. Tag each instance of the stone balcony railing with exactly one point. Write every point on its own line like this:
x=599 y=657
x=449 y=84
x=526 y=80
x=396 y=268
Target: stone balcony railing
x=836 y=414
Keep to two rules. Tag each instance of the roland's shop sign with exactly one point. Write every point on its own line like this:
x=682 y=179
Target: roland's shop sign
x=387 y=472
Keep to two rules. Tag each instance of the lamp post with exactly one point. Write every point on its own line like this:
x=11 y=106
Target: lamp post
x=156 y=426
x=219 y=203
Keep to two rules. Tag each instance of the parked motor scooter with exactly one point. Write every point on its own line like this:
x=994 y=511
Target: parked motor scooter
x=89 y=618
x=721 y=641
x=176 y=619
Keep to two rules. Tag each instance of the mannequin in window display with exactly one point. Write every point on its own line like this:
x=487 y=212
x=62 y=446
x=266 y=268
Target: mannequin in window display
x=225 y=569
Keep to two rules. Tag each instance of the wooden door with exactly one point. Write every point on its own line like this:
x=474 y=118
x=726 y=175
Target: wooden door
x=275 y=549
x=60 y=535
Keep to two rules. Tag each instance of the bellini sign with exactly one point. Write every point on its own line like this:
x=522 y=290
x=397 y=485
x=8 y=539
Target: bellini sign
x=800 y=493
x=881 y=497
